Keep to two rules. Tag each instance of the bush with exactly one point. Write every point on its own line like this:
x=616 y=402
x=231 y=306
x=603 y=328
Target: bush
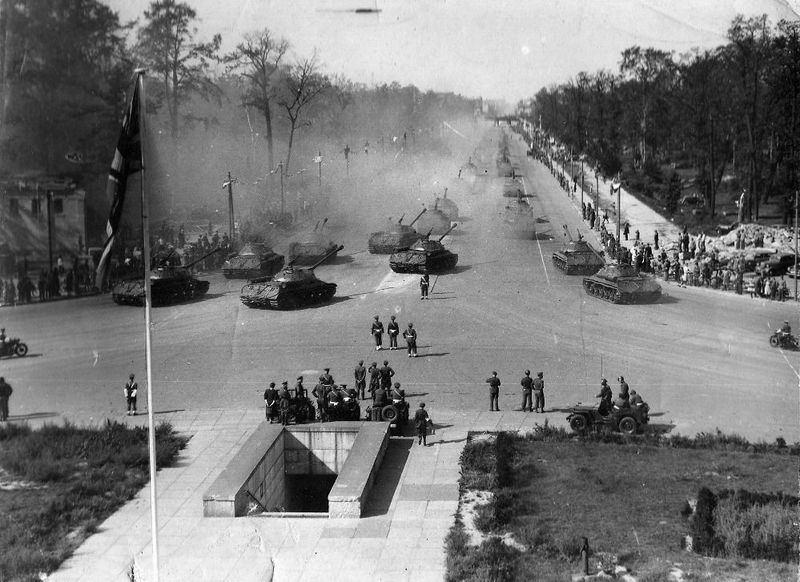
x=492 y=561
x=504 y=457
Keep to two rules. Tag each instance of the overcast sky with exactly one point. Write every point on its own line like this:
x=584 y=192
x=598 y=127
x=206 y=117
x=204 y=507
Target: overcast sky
x=491 y=48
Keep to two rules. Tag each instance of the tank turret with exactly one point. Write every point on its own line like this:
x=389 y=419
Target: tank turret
x=577 y=257
x=312 y=246
x=252 y=261
x=424 y=256
x=448 y=207
x=435 y=220
x=169 y=284
x=622 y=284
x=397 y=236
x=292 y=288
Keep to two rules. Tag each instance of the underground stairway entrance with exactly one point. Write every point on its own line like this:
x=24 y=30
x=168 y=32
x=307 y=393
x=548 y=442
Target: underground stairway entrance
x=315 y=470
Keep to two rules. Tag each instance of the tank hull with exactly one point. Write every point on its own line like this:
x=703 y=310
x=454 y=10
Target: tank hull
x=269 y=295
x=627 y=291
x=385 y=243
x=252 y=267
x=161 y=292
x=421 y=263
x=571 y=265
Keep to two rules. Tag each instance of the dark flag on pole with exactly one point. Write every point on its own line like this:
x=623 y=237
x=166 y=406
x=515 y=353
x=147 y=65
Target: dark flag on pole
x=127 y=161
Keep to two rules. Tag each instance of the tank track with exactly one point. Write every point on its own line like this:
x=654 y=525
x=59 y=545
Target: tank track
x=613 y=295
x=438 y=266
x=381 y=249
x=160 y=298
x=293 y=300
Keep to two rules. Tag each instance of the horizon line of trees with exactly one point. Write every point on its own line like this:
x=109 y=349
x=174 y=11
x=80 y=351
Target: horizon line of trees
x=734 y=110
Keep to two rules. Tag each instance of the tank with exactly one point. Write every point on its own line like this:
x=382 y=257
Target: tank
x=435 y=221
x=424 y=256
x=168 y=284
x=447 y=206
x=513 y=188
x=291 y=289
x=577 y=257
x=253 y=261
x=622 y=284
x=313 y=246
x=519 y=219
x=398 y=236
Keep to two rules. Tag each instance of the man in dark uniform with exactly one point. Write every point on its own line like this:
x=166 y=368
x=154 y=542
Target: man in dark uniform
x=410 y=336
x=283 y=392
x=377 y=332
x=374 y=378
x=131 y=388
x=393 y=329
x=527 y=385
x=636 y=400
x=299 y=389
x=386 y=375
x=424 y=285
x=606 y=397
x=5 y=394
x=538 y=392
x=284 y=402
x=378 y=403
x=271 y=402
x=327 y=379
x=360 y=374
x=421 y=423
x=398 y=395
x=624 y=389
x=494 y=392
x=319 y=395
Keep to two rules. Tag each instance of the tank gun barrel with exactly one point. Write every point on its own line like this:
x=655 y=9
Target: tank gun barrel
x=324 y=222
x=424 y=210
x=205 y=256
x=429 y=233
x=401 y=218
x=326 y=257
x=316 y=226
x=455 y=224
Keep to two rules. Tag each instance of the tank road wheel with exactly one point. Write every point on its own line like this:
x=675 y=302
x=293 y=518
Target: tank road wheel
x=773 y=341
x=578 y=424
x=627 y=425
x=21 y=350
x=389 y=413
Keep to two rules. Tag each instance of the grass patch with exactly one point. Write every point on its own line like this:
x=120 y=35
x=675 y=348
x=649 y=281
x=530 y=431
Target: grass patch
x=626 y=497
x=75 y=478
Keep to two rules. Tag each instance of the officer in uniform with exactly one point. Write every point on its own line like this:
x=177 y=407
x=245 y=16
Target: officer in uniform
x=386 y=375
x=421 y=423
x=378 y=403
x=410 y=336
x=494 y=392
x=624 y=389
x=393 y=329
x=605 y=396
x=398 y=395
x=284 y=402
x=319 y=395
x=327 y=379
x=131 y=388
x=374 y=378
x=299 y=389
x=377 y=333
x=636 y=400
x=527 y=386
x=360 y=374
x=538 y=392
x=424 y=284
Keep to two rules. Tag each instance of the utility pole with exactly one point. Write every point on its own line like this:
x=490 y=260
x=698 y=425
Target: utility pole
x=795 y=245
x=283 y=201
x=319 y=164
x=229 y=184
x=50 y=225
x=582 y=156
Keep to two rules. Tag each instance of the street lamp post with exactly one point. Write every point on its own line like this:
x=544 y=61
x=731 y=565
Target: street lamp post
x=229 y=184
x=795 y=245
x=283 y=199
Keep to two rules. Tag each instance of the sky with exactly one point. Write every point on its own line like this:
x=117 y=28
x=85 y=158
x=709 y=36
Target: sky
x=497 y=49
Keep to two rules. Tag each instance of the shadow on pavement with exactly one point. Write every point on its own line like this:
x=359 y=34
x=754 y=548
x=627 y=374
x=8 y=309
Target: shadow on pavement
x=388 y=477
x=416 y=394
x=435 y=355
x=32 y=416
x=169 y=411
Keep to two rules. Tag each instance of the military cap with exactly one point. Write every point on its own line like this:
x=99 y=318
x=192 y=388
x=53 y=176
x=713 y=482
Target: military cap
x=272 y=384
x=386 y=362
x=376 y=317
x=397 y=384
x=494 y=373
x=393 y=318
x=285 y=382
x=527 y=372
x=327 y=369
x=410 y=325
x=131 y=376
x=299 y=377
x=540 y=374
x=374 y=364
x=422 y=405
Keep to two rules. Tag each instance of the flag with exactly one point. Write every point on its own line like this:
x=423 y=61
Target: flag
x=127 y=161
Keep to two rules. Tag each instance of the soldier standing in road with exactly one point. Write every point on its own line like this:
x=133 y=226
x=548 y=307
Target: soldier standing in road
x=377 y=333
x=538 y=392
x=410 y=336
x=360 y=374
x=5 y=394
x=527 y=385
x=424 y=284
x=386 y=375
x=421 y=419
x=374 y=378
x=319 y=395
x=299 y=389
x=131 y=388
x=494 y=392
x=393 y=329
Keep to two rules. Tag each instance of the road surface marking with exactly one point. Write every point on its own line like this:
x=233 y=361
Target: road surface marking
x=538 y=244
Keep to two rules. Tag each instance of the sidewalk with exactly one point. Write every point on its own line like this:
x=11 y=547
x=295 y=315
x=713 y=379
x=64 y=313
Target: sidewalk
x=402 y=537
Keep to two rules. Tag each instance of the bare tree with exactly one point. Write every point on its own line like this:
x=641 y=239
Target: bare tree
x=303 y=84
x=257 y=60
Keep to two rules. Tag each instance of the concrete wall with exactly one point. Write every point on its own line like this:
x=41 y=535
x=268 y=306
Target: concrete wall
x=257 y=470
x=318 y=449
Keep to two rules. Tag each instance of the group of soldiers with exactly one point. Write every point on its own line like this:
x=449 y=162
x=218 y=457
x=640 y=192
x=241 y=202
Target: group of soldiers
x=393 y=330
x=531 y=387
x=626 y=398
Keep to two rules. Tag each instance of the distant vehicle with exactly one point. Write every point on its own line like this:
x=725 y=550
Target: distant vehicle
x=692 y=201
x=778 y=264
x=629 y=420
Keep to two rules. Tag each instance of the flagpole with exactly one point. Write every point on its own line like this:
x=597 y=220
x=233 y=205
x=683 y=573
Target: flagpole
x=151 y=435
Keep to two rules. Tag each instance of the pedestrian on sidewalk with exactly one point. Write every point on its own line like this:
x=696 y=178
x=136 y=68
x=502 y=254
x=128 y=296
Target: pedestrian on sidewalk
x=360 y=374
x=421 y=420
x=538 y=392
x=377 y=333
x=131 y=388
x=393 y=329
x=527 y=386
x=410 y=336
x=494 y=393
x=5 y=394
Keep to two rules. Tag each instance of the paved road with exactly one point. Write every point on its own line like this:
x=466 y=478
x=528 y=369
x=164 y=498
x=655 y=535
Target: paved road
x=700 y=358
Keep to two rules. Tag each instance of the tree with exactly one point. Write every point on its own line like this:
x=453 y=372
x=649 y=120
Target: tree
x=258 y=60
x=166 y=43
x=303 y=84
